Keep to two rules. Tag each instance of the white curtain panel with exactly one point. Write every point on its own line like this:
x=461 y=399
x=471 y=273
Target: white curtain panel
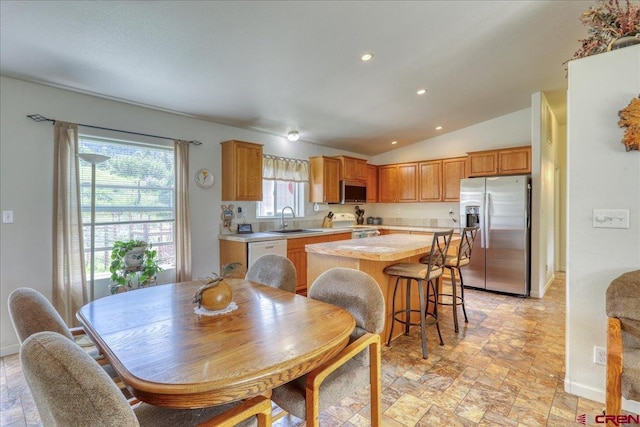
x=283 y=169
x=182 y=232
x=69 y=280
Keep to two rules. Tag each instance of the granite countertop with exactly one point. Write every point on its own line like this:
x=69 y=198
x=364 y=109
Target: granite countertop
x=391 y=247
x=312 y=232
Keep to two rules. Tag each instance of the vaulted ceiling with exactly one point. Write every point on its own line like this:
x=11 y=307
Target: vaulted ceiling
x=277 y=66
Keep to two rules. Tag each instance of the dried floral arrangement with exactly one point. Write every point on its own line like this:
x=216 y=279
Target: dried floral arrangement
x=607 y=22
x=630 y=118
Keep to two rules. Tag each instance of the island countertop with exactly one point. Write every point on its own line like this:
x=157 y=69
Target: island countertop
x=390 y=247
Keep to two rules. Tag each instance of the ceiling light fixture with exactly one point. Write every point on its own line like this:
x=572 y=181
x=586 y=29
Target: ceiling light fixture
x=421 y=91
x=293 y=135
x=366 y=57
x=394 y=142
x=439 y=128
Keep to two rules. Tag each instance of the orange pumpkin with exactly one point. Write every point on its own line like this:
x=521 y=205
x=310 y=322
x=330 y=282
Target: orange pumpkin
x=217 y=297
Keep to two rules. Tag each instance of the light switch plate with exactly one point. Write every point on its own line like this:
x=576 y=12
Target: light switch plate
x=7 y=217
x=611 y=218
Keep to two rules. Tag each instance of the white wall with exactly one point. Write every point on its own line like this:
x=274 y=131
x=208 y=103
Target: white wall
x=601 y=174
x=26 y=171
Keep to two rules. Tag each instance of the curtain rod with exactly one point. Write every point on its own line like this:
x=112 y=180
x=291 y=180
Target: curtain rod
x=270 y=156
x=40 y=118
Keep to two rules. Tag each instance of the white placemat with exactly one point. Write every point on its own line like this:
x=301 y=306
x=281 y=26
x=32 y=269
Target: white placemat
x=203 y=311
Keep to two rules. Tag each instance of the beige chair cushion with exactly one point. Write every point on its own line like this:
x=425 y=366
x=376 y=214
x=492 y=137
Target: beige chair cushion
x=450 y=261
x=360 y=295
x=275 y=271
x=412 y=270
x=70 y=389
x=31 y=312
x=631 y=374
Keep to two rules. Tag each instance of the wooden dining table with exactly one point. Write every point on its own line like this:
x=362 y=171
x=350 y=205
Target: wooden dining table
x=168 y=355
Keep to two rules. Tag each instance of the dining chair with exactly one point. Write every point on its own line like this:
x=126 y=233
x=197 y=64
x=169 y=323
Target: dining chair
x=353 y=368
x=31 y=312
x=422 y=274
x=275 y=271
x=70 y=389
x=454 y=263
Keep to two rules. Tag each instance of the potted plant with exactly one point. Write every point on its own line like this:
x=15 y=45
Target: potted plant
x=132 y=261
x=610 y=26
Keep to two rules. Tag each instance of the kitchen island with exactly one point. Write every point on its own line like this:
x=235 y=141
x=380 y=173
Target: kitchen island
x=371 y=255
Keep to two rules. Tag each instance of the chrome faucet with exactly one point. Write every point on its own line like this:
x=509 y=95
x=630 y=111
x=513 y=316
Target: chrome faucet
x=283 y=223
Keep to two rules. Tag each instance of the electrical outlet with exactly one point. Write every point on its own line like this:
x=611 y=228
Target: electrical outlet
x=239 y=209
x=450 y=211
x=599 y=355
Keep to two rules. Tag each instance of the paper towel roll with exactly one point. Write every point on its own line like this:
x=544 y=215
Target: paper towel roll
x=321 y=207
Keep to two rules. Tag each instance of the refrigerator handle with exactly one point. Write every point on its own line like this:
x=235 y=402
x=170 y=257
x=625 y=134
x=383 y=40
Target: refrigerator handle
x=528 y=210
x=487 y=218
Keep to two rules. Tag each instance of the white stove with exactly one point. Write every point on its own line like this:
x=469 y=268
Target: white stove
x=348 y=221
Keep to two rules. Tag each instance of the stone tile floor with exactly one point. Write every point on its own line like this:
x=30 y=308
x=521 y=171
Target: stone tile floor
x=504 y=368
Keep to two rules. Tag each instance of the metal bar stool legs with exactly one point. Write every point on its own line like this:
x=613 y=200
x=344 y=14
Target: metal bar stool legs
x=456 y=300
x=424 y=298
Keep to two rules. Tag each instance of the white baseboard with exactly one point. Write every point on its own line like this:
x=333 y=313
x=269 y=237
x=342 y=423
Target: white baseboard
x=535 y=294
x=598 y=395
x=9 y=350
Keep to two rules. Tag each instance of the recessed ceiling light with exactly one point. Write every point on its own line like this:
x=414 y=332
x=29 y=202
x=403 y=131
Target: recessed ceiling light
x=439 y=128
x=421 y=91
x=293 y=135
x=394 y=142
x=366 y=57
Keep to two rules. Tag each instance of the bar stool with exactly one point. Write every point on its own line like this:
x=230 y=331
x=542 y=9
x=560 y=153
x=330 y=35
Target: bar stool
x=421 y=273
x=453 y=264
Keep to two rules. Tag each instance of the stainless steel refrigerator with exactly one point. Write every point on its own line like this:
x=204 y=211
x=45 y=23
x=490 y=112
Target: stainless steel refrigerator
x=500 y=259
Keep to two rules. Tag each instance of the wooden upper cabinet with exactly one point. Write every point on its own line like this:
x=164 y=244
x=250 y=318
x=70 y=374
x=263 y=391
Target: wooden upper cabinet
x=352 y=168
x=241 y=171
x=430 y=181
x=483 y=163
x=508 y=161
x=398 y=183
x=372 y=183
x=514 y=161
x=453 y=170
x=324 y=179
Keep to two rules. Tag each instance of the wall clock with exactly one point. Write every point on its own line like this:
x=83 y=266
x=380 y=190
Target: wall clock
x=204 y=178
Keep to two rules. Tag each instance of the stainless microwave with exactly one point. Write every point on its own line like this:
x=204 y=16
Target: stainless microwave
x=353 y=192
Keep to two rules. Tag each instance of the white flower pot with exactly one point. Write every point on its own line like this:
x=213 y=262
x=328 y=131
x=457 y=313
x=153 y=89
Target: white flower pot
x=134 y=257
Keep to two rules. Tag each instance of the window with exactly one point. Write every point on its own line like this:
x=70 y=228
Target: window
x=278 y=194
x=134 y=198
x=284 y=183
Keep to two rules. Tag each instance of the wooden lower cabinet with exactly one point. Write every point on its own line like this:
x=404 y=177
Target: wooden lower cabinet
x=233 y=252
x=297 y=255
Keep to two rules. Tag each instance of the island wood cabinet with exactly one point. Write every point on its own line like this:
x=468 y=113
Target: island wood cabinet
x=324 y=183
x=241 y=171
x=398 y=183
x=372 y=183
x=352 y=168
x=453 y=170
x=298 y=256
x=509 y=161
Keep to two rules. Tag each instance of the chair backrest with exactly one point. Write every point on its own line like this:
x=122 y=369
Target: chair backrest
x=467 y=237
x=31 y=312
x=438 y=253
x=275 y=271
x=354 y=291
x=69 y=387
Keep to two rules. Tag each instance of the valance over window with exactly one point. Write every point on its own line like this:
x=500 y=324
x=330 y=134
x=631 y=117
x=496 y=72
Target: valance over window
x=284 y=169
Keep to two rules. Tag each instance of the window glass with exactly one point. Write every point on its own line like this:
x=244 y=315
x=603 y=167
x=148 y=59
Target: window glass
x=134 y=199
x=278 y=194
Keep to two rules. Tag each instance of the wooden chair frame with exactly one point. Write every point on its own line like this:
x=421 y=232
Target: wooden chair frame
x=259 y=406
x=317 y=376
x=614 y=368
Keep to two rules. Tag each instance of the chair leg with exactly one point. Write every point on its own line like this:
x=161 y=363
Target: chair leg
x=464 y=311
x=614 y=368
x=407 y=308
x=375 y=372
x=393 y=312
x=454 y=299
x=423 y=318
x=432 y=286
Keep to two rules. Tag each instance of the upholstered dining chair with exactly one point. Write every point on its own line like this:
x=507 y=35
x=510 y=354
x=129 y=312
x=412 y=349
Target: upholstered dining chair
x=70 y=389
x=275 y=271
x=454 y=263
x=353 y=368
x=623 y=341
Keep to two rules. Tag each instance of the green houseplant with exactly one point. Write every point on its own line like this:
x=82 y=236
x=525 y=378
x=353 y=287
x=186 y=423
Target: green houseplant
x=132 y=261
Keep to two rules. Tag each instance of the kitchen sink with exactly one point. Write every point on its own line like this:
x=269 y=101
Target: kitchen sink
x=292 y=230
